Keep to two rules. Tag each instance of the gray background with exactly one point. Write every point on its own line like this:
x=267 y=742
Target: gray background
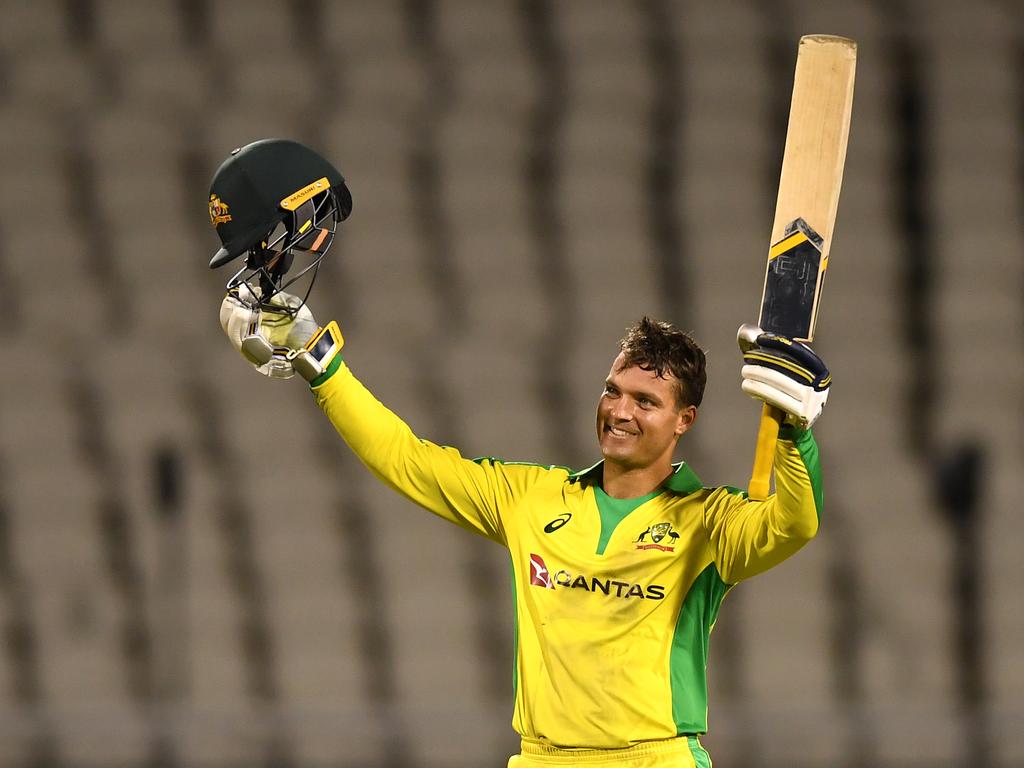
x=530 y=177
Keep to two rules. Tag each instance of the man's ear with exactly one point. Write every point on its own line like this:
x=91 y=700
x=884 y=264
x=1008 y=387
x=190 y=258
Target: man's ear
x=687 y=417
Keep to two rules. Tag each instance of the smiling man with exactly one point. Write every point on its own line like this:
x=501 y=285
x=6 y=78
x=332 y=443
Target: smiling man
x=650 y=400
x=619 y=569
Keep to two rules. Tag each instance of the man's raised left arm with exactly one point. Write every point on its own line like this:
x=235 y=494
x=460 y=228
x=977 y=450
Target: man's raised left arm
x=748 y=537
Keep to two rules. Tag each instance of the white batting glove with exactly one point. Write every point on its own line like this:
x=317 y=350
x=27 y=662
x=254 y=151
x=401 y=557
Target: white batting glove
x=784 y=373
x=279 y=344
x=266 y=338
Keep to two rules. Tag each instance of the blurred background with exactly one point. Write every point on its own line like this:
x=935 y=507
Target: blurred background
x=193 y=569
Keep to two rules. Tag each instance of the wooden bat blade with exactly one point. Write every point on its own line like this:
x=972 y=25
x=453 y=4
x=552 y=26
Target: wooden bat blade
x=805 y=211
x=812 y=175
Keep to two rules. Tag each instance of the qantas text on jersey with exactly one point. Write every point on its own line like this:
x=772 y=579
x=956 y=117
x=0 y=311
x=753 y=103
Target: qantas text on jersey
x=541 y=576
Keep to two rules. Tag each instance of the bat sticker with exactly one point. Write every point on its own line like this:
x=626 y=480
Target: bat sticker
x=792 y=282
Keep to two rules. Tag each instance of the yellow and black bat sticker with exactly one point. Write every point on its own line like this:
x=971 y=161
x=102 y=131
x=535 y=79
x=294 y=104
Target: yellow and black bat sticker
x=792 y=283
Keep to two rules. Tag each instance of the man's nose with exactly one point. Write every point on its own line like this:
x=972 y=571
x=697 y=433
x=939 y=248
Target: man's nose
x=622 y=410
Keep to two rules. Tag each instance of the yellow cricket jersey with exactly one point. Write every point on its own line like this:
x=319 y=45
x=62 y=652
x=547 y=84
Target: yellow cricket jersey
x=614 y=599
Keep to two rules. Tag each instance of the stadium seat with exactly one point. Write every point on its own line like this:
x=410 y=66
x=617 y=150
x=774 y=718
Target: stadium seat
x=62 y=81
x=353 y=30
x=137 y=30
x=33 y=26
x=254 y=28
x=172 y=84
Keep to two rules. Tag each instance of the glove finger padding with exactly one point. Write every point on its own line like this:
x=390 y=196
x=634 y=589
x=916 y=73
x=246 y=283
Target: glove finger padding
x=237 y=319
x=792 y=358
x=788 y=375
x=266 y=338
x=802 y=405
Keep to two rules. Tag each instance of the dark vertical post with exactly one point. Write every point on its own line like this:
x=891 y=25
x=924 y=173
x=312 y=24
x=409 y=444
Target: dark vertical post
x=426 y=166
x=541 y=177
x=847 y=631
x=910 y=109
x=959 y=483
x=662 y=166
x=170 y=595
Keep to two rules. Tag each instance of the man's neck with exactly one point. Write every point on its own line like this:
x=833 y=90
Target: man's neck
x=629 y=483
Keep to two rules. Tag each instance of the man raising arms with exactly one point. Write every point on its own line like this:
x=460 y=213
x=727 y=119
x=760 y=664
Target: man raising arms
x=619 y=569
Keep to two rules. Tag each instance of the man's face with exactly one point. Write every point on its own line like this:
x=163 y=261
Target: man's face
x=639 y=418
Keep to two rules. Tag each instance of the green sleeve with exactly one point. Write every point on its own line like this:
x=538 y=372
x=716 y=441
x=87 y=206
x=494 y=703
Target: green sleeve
x=472 y=494
x=749 y=537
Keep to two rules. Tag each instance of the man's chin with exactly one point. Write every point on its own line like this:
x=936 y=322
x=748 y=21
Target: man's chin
x=617 y=454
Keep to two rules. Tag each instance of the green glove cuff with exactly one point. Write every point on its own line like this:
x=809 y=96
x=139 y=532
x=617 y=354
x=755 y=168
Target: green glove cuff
x=792 y=432
x=334 y=365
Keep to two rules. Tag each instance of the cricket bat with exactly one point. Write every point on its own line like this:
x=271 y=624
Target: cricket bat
x=805 y=212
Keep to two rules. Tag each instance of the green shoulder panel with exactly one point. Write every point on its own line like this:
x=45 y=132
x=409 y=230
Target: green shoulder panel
x=688 y=658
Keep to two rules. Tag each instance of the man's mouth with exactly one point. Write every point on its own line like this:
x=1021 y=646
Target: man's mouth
x=618 y=432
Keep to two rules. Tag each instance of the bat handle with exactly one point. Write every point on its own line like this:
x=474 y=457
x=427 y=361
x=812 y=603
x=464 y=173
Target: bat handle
x=764 y=456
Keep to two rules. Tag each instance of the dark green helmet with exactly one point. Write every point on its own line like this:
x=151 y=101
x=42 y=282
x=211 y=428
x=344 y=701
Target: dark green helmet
x=274 y=199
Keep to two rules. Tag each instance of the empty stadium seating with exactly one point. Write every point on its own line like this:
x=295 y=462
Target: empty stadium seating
x=284 y=608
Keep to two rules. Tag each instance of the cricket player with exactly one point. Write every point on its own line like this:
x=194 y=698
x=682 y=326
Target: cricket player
x=620 y=568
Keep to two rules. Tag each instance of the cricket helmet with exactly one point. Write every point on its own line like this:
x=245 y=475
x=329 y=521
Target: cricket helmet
x=273 y=200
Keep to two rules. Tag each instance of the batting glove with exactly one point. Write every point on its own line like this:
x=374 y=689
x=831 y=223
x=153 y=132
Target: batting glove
x=784 y=373
x=279 y=344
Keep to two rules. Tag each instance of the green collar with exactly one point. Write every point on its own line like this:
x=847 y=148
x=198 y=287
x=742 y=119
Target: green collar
x=682 y=481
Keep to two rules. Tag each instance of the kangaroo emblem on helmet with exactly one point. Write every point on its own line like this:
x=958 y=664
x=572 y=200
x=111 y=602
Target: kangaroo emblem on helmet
x=218 y=211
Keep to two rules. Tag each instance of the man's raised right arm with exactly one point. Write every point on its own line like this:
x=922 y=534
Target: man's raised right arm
x=471 y=494
x=438 y=478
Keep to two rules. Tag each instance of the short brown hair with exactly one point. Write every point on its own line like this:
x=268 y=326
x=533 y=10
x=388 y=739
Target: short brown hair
x=657 y=346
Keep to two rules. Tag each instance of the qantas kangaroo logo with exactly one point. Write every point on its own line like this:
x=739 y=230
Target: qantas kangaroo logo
x=539 y=576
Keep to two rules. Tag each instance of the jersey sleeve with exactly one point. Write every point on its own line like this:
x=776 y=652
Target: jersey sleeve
x=749 y=537
x=472 y=494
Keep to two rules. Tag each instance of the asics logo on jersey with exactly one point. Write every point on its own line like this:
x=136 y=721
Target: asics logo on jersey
x=558 y=522
x=541 y=576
